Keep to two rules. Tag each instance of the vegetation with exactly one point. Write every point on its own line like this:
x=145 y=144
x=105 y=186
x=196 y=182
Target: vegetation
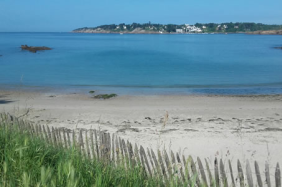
x=105 y=96
x=26 y=161
x=91 y=92
x=205 y=27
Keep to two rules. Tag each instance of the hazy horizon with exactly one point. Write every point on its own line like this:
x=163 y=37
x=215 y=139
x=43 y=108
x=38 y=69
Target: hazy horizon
x=64 y=16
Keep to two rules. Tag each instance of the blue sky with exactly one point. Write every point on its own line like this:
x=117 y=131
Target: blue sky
x=66 y=15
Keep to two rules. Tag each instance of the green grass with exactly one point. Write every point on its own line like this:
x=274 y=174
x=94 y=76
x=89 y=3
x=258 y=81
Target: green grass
x=105 y=96
x=26 y=161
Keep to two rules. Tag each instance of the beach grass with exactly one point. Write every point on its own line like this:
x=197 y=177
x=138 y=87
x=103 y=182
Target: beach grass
x=27 y=161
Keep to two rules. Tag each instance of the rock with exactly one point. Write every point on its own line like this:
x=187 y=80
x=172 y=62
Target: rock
x=277 y=47
x=34 y=49
x=1 y=55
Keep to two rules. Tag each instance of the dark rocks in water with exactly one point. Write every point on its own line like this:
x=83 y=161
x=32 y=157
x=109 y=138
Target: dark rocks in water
x=34 y=49
x=1 y=55
x=277 y=47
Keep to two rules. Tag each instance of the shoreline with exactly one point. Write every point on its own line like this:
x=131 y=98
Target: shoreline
x=232 y=127
x=232 y=90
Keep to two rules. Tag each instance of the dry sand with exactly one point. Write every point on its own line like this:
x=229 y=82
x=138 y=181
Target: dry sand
x=230 y=127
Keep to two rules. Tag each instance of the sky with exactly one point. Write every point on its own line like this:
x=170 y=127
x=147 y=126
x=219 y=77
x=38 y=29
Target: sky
x=67 y=15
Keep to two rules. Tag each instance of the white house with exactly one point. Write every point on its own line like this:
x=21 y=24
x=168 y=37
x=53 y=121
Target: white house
x=179 y=30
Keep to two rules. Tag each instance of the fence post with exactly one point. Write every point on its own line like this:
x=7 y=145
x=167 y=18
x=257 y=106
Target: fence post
x=216 y=173
x=223 y=174
x=249 y=174
x=202 y=171
x=277 y=176
x=210 y=174
x=240 y=173
x=258 y=174
x=267 y=175
x=231 y=174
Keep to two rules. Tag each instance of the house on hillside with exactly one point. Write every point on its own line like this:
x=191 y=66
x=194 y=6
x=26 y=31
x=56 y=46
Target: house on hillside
x=179 y=30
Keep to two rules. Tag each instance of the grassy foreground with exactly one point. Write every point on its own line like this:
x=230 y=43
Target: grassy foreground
x=27 y=161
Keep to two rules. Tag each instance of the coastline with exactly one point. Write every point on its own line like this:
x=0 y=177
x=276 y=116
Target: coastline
x=231 y=127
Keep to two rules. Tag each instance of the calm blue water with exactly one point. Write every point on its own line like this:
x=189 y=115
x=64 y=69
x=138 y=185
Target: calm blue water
x=144 y=64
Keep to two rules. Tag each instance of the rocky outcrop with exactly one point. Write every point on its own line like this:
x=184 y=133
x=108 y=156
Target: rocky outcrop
x=270 y=32
x=34 y=49
x=277 y=47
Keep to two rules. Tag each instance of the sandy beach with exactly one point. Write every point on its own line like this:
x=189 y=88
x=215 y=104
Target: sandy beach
x=229 y=127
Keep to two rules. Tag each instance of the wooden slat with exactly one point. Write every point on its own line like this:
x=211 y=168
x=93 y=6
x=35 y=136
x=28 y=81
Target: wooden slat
x=202 y=171
x=109 y=146
x=117 y=151
x=68 y=138
x=223 y=174
x=40 y=132
x=65 y=138
x=87 y=145
x=231 y=174
x=113 y=147
x=267 y=175
x=96 y=144
x=74 y=140
x=216 y=173
x=131 y=154
x=277 y=176
x=249 y=174
x=54 y=136
x=156 y=164
x=142 y=156
x=81 y=144
x=46 y=135
x=240 y=174
x=101 y=145
x=142 y=151
x=92 y=144
x=49 y=135
x=258 y=174
x=136 y=154
x=151 y=161
x=160 y=159
x=125 y=151
x=168 y=164
x=180 y=169
x=212 y=183
x=122 y=155
x=194 y=171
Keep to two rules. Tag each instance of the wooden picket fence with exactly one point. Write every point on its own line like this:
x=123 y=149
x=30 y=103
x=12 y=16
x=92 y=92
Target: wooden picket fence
x=94 y=144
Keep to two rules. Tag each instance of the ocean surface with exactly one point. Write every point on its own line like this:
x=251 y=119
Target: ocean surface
x=143 y=64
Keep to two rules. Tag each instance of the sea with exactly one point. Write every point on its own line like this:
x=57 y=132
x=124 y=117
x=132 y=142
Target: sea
x=144 y=64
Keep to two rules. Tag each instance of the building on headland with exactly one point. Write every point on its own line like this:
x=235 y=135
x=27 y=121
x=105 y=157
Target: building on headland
x=225 y=26
x=236 y=27
x=204 y=27
x=179 y=30
x=192 y=28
